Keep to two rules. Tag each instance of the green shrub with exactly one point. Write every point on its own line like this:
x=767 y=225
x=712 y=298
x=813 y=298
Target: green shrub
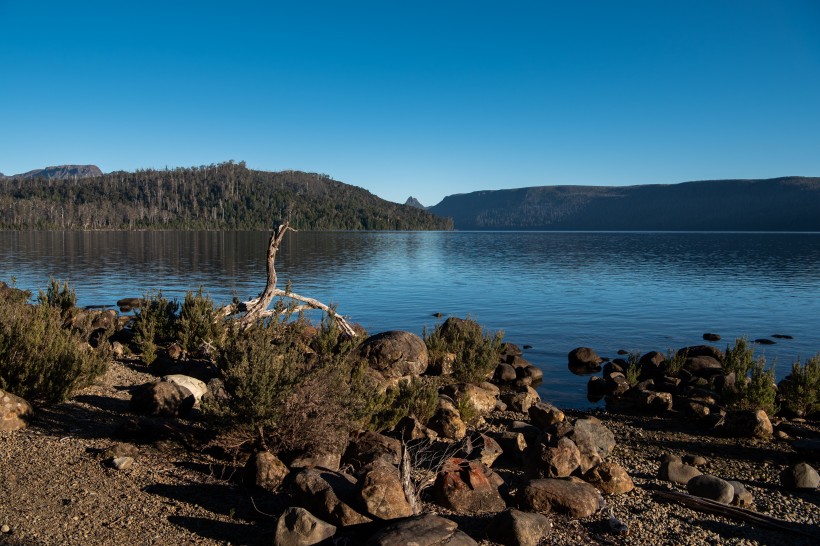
x=633 y=369
x=39 y=359
x=153 y=323
x=674 y=362
x=739 y=359
x=295 y=389
x=476 y=352
x=200 y=327
x=59 y=296
x=800 y=391
x=411 y=397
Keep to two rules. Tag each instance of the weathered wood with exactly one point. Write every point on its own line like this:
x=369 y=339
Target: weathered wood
x=257 y=308
x=740 y=514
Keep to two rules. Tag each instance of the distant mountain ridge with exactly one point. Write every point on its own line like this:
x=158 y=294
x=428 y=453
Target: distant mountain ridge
x=413 y=202
x=218 y=197
x=60 y=172
x=777 y=204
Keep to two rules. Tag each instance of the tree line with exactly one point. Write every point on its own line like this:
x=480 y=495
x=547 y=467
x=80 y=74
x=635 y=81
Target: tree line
x=224 y=196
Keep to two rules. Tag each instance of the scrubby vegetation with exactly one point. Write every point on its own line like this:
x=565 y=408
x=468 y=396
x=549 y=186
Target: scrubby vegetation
x=754 y=383
x=199 y=329
x=473 y=351
x=800 y=391
x=154 y=322
x=40 y=359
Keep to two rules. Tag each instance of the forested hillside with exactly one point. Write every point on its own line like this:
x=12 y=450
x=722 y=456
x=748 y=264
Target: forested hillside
x=223 y=196
x=778 y=204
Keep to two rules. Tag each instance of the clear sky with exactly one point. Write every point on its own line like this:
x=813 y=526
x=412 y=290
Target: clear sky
x=422 y=98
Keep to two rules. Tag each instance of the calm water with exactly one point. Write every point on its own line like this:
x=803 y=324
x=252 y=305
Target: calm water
x=554 y=291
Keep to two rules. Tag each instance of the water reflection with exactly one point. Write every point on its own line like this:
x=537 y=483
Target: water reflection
x=555 y=291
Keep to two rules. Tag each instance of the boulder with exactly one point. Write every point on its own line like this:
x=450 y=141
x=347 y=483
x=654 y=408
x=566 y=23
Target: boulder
x=447 y=423
x=484 y=449
x=583 y=360
x=395 y=354
x=265 y=470
x=711 y=337
x=747 y=424
x=521 y=399
x=504 y=373
x=516 y=528
x=551 y=460
x=366 y=447
x=454 y=329
x=677 y=472
x=800 y=476
x=513 y=445
x=703 y=366
x=482 y=400
x=544 y=415
x=711 y=487
x=468 y=486
x=163 y=398
x=566 y=495
x=742 y=496
x=197 y=387
x=595 y=442
x=701 y=350
x=534 y=373
x=596 y=387
x=610 y=478
x=654 y=402
x=425 y=530
x=651 y=365
x=329 y=495
x=298 y=527
x=15 y=412
x=617 y=384
x=323 y=460
x=381 y=493
x=409 y=429
x=120 y=449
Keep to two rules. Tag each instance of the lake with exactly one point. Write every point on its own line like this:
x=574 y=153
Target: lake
x=552 y=290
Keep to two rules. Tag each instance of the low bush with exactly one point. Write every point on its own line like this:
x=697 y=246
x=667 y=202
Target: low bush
x=633 y=369
x=410 y=398
x=800 y=391
x=476 y=352
x=199 y=328
x=59 y=296
x=154 y=322
x=755 y=384
x=39 y=359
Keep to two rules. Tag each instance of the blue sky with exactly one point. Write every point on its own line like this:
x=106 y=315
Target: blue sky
x=417 y=98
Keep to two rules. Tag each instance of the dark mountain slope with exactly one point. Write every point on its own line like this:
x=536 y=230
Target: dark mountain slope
x=779 y=204
x=224 y=196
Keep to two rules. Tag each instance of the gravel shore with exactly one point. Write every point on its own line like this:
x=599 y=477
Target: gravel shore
x=55 y=487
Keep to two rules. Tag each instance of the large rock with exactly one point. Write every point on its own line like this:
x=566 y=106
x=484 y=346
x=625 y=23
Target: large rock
x=544 y=415
x=703 y=366
x=610 y=478
x=747 y=424
x=409 y=429
x=483 y=448
x=559 y=460
x=651 y=365
x=380 y=491
x=711 y=487
x=426 y=530
x=595 y=442
x=566 y=495
x=396 y=353
x=701 y=350
x=800 y=476
x=521 y=399
x=482 y=400
x=583 y=360
x=196 y=386
x=468 y=486
x=366 y=447
x=516 y=528
x=15 y=412
x=329 y=495
x=677 y=472
x=298 y=527
x=265 y=470
x=447 y=423
x=164 y=399
x=454 y=329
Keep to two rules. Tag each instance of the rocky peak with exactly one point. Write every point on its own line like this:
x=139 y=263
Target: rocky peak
x=413 y=202
x=62 y=172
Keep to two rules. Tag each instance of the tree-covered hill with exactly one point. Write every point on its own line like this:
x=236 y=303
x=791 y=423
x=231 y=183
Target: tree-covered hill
x=777 y=204
x=223 y=196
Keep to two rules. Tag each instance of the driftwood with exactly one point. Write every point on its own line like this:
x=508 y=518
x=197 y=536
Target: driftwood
x=732 y=512
x=258 y=307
